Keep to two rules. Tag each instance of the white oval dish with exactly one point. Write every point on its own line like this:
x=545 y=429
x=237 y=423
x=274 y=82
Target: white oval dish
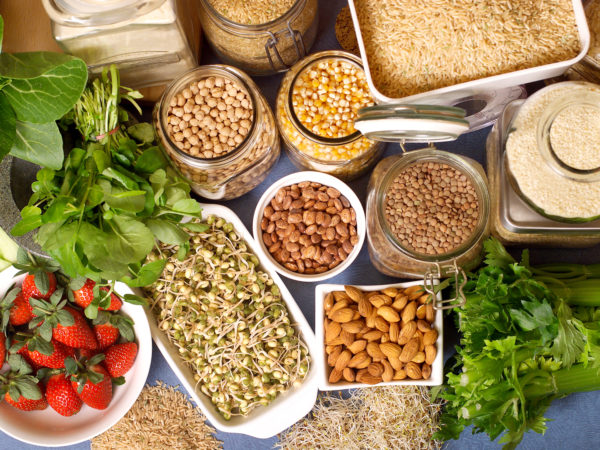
x=324 y=179
x=437 y=368
x=288 y=407
x=48 y=428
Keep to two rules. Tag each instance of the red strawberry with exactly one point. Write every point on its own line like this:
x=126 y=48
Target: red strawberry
x=96 y=395
x=61 y=396
x=78 y=335
x=2 y=348
x=26 y=404
x=84 y=296
x=87 y=353
x=31 y=290
x=56 y=360
x=21 y=311
x=120 y=358
x=106 y=334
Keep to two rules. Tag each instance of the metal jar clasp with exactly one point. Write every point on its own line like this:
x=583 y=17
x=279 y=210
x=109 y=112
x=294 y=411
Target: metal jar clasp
x=434 y=273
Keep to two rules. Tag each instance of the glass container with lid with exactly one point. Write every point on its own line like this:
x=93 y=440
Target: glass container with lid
x=543 y=163
x=427 y=209
x=246 y=164
x=151 y=41
x=310 y=137
x=258 y=36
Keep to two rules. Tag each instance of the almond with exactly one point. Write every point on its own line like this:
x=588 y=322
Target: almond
x=354 y=293
x=425 y=371
x=375 y=369
x=430 y=354
x=353 y=326
x=333 y=356
x=348 y=374
x=364 y=364
x=385 y=337
x=419 y=358
x=412 y=289
x=409 y=350
x=390 y=292
x=347 y=338
x=339 y=305
x=388 y=313
x=332 y=330
x=357 y=346
x=388 y=372
x=415 y=293
x=335 y=376
x=374 y=351
x=380 y=300
x=413 y=371
x=360 y=373
x=356 y=315
x=373 y=335
x=429 y=313
x=399 y=374
x=358 y=359
x=407 y=332
x=370 y=319
x=367 y=378
x=342 y=315
x=395 y=362
x=409 y=312
x=423 y=325
x=365 y=308
x=337 y=341
x=421 y=312
x=430 y=337
x=394 y=331
x=400 y=302
x=330 y=348
x=425 y=298
x=381 y=324
x=343 y=360
x=340 y=296
x=328 y=302
x=390 y=349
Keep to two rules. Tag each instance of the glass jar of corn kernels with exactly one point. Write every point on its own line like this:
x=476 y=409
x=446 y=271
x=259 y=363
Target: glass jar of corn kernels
x=239 y=162
x=317 y=104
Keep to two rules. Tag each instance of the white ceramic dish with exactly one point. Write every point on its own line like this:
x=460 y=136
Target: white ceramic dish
x=48 y=428
x=327 y=180
x=451 y=95
x=288 y=407
x=437 y=368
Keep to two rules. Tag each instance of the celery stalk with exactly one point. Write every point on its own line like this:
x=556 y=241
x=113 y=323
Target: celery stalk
x=8 y=250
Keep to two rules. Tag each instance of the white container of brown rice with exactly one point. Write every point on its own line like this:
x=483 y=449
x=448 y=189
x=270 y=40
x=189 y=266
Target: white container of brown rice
x=452 y=53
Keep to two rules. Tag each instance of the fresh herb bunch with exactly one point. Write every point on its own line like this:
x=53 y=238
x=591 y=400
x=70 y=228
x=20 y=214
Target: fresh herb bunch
x=521 y=347
x=100 y=214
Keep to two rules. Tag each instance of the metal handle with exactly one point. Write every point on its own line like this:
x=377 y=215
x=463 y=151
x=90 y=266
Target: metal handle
x=271 y=46
x=460 y=280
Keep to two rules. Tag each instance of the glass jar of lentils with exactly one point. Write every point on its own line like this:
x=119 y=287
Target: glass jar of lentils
x=426 y=208
x=218 y=131
x=317 y=104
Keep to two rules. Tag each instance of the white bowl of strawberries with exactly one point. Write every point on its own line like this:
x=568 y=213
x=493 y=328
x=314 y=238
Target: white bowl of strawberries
x=50 y=350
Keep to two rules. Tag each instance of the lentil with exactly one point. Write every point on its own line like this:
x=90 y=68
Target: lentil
x=431 y=208
x=309 y=228
x=228 y=320
x=210 y=118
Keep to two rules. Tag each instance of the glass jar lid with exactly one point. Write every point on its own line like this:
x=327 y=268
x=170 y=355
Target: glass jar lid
x=411 y=123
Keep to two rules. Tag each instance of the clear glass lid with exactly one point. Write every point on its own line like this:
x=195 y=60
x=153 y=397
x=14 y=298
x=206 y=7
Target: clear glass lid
x=408 y=123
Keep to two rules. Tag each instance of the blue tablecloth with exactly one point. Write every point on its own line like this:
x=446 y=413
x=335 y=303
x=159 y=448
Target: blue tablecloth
x=574 y=418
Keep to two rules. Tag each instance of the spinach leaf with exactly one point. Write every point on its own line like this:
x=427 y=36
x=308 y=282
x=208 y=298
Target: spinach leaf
x=44 y=85
x=167 y=232
x=150 y=161
x=8 y=124
x=39 y=143
x=142 y=132
x=147 y=274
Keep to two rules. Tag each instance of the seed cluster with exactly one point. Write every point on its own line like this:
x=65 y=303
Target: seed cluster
x=228 y=320
x=327 y=96
x=309 y=228
x=379 y=336
x=210 y=118
x=431 y=207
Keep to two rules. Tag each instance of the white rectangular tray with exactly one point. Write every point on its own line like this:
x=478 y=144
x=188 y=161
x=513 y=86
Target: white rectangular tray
x=288 y=407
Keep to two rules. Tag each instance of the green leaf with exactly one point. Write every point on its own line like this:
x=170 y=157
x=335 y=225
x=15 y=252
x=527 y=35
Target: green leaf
x=119 y=381
x=42 y=282
x=30 y=390
x=65 y=318
x=101 y=159
x=167 y=232
x=14 y=392
x=96 y=359
x=44 y=347
x=150 y=161
x=45 y=330
x=70 y=365
x=131 y=201
x=147 y=274
x=8 y=124
x=77 y=283
x=135 y=299
x=129 y=240
x=91 y=311
x=120 y=178
x=142 y=132
x=39 y=143
x=44 y=85
x=188 y=206
x=126 y=330
x=570 y=342
x=196 y=227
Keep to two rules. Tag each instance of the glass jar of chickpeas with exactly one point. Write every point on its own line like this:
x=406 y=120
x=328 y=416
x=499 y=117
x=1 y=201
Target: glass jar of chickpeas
x=317 y=104
x=218 y=131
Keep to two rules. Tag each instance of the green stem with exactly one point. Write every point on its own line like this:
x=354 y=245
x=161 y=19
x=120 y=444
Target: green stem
x=567 y=381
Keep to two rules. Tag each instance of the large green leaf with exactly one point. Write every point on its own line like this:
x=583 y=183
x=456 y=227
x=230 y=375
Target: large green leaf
x=167 y=232
x=7 y=126
x=44 y=86
x=130 y=240
x=39 y=143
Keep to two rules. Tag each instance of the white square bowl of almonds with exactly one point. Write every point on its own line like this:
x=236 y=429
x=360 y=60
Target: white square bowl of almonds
x=382 y=335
